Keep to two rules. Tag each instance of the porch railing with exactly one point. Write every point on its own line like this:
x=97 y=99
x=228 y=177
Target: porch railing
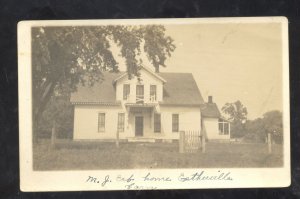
x=140 y=99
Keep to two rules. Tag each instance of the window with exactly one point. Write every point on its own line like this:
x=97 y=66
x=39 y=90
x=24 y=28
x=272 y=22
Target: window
x=121 y=122
x=152 y=93
x=223 y=127
x=157 y=123
x=126 y=91
x=101 y=122
x=139 y=93
x=175 y=122
x=226 y=128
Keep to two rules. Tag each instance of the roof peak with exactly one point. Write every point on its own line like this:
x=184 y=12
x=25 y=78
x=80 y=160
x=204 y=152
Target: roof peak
x=146 y=69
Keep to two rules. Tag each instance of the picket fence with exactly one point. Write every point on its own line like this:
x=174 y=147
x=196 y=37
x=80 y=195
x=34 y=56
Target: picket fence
x=191 y=142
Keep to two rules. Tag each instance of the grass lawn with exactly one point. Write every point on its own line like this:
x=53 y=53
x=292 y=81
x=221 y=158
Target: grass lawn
x=70 y=155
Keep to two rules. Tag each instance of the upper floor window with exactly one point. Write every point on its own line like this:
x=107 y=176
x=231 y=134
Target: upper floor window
x=152 y=93
x=175 y=122
x=139 y=93
x=101 y=122
x=126 y=91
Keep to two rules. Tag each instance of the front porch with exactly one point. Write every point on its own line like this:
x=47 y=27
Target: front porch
x=143 y=122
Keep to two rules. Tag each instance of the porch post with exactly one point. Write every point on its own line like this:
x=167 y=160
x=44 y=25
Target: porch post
x=203 y=132
x=203 y=143
x=127 y=118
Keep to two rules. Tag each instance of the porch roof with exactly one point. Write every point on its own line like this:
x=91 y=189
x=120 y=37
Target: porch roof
x=140 y=105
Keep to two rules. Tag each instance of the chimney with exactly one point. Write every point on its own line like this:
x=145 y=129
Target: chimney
x=210 y=99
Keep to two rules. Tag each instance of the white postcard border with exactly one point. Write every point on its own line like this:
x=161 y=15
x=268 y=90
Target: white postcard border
x=76 y=180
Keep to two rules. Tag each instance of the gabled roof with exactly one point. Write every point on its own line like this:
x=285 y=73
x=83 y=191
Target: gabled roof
x=210 y=110
x=180 y=89
x=102 y=92
x=146 y=69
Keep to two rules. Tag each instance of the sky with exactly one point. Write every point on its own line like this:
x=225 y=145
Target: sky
x=231 y=62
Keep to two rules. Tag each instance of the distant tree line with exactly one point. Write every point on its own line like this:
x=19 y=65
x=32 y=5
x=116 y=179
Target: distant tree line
x=253 y=130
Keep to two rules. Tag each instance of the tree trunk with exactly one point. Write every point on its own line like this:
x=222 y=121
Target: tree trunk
x=157 y=69
x=35 y=127
x=269 y=143
x=39 y=104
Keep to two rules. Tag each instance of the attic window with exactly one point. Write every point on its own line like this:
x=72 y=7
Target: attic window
x=152 y=93
x=126 y=91
x=139 y=93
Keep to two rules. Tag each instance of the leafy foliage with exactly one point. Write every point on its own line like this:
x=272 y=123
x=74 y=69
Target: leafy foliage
x=63 y=57
x=254 y=130
x=235 y=111
x=237 y=115
x=60 y=110
x=271 y=122
x=63 y=54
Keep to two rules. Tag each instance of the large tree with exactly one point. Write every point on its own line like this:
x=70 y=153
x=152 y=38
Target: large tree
x=63 y=57
x=58 y=110
x=236 y=113
x=271 y=122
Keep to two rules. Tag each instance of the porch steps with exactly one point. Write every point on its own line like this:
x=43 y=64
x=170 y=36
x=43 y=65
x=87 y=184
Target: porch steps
x=141 y=139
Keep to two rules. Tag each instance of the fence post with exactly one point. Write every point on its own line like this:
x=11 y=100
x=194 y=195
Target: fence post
x=181 y=141
x=117 y=139
x=203 y=143
x=53 y=134
x=269 y=143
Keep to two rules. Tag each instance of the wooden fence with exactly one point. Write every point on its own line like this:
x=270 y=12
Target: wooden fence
x=191 y=141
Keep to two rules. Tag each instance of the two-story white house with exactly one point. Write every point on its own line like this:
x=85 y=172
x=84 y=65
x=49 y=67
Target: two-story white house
x=156 y=106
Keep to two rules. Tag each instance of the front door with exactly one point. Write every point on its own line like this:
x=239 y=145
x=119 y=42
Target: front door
x=139 y=125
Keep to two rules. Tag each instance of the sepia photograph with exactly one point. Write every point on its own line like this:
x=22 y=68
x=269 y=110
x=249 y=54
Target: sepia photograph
x=205 y=96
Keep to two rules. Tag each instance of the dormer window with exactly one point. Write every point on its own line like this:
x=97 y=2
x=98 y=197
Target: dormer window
x=152 y=93
x=126 y=91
